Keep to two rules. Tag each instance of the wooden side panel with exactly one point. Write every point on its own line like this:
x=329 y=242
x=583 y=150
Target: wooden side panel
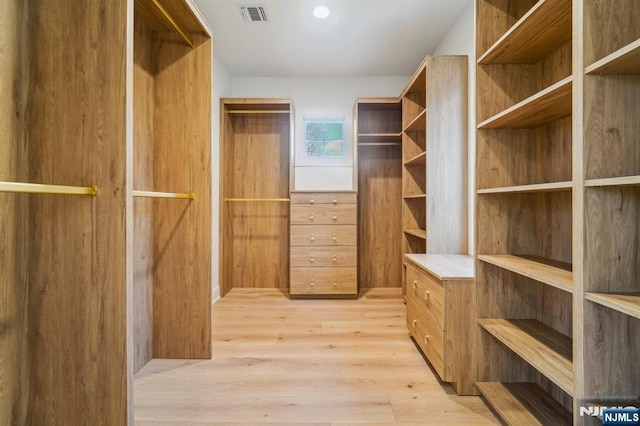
x=447 y=155
x=77 y=278
x=380 y=216
x=181 y=228
x=143 y=208
x=14 y=235
x=256 y=234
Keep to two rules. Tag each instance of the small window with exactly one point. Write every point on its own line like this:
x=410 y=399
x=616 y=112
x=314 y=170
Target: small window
x=324 y=137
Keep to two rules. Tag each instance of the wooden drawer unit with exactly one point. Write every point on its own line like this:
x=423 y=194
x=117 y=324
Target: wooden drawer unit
x=324 y=256
x=322 y=281
x=441 y=315
x=323 y=242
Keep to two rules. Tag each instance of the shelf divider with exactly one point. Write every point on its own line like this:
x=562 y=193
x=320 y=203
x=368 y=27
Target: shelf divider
x=418 y=124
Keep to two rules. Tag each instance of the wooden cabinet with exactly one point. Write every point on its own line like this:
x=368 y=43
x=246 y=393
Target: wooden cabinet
x=323 y=244
x=440 y=297
x=379 y=170
x=255 y=146
x=102 y=101
x=434 y=157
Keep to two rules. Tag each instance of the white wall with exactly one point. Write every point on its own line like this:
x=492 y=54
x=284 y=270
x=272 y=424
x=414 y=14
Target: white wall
x=221 y=89
x=460 y=41
x=317 y=96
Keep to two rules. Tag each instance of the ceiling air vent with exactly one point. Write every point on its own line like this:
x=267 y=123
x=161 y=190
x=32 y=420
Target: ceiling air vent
x=254 y=14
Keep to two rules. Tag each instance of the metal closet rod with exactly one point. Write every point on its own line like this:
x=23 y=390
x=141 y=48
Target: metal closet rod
x=278 y=200
x=38 y=188
x=157 y=194
x=173 y=22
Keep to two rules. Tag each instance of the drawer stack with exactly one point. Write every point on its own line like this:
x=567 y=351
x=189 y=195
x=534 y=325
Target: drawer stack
x=441 y=314
x=323 y=244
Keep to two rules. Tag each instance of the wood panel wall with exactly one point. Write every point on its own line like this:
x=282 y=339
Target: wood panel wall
x=77 y=244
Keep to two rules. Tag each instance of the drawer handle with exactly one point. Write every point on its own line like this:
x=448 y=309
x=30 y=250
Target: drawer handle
x=335 y=217
x=415 y=322
x=335 y=200
x=312 y=259
x=415 y=283
x=312 y=283
x=312 y=200
x=334 y=258
x=426 y=295
x=335 y=283
x=335 y=238
x=311 y=216
x=312 y=238
x=427 y=338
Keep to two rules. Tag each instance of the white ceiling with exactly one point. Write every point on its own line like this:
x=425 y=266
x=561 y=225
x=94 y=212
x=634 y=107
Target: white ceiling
x=360 y=37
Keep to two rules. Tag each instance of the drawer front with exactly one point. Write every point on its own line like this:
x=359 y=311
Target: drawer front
x=324 y=256
x=323 y=281
x=323 y=214
x=323 y=197
x=323 y=235
x=429 y=336
x=427 y=293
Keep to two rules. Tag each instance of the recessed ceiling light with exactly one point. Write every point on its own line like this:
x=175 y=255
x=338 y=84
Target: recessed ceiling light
x=321 y=12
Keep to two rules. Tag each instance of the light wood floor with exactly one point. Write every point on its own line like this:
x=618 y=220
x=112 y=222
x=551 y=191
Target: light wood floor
x=318 y=362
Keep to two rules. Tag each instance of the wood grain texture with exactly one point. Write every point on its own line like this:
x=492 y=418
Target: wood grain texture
x=179 y=10
x=628 y=303
x=323 y=214
x=611 y=126
x=608 y=26
x=14 y=231
x=495 y=17
x=380 y=218
x=304 y=362
x=548 y=274
x=324 y=281
x=77 y=274
x=612 y=264
x=143 y=104
x=625 y=60
x=523 y=403
x=324 y=235
x=379 y=116
x=324 y=256
x=182 y=228
x=255 y=236
x=540 y=31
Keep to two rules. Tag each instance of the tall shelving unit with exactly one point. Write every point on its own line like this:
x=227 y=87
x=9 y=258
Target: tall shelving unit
x=434 y=148
x=379 y=169
x=610 y=132
x=525 y=184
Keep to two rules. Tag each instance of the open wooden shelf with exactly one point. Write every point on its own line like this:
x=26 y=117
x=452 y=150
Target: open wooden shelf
x=539 y=271
x=418 y=124
x=625 y=60
x=540 y=187
x=628 y=304
x=546 y=106
x=419 y=159
x=547 y=350
x=415 y=197
x=420 y=233
x=542 y=30
x=523 y=404
x=379 y=138
x=618 y=181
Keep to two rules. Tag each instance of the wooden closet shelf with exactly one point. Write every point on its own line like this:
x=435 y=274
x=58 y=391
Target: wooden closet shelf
x=379 y=144
x=540 y=31
x=627 y=303
x=546 y=349
x=420 y=233
x=419 y=159
x=257 y=111
x=158 y=194
x=617 y=181
x=523 y=404
x=535 y=268
x=418 y=124
x=623 y=61
x=539 y=187
x=379 y=137
x=415 y=197
x=257 y=200
x=38 y=188
x=546 y=106
x=172 y=22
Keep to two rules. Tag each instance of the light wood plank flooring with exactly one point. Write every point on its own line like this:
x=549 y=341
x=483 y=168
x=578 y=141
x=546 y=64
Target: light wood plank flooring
x=318 y=362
